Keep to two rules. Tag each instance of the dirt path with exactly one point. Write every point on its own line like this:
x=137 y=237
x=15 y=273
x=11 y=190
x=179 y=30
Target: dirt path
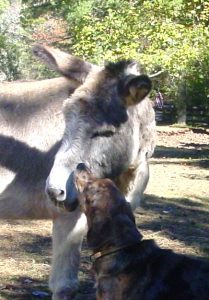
x=176 y=206
x=175 y=212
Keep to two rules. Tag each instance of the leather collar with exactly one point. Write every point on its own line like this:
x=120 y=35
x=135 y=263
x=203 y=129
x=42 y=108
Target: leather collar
x=100 y=254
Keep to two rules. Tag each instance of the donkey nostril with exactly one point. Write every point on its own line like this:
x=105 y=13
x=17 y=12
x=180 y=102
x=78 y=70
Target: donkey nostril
x=55 y=194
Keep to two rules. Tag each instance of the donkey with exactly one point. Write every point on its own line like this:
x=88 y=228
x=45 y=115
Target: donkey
x=108 y=124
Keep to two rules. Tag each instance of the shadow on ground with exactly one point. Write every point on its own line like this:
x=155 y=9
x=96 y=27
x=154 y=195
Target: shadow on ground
x=28 y=288
x=198 y=152
x=25 y=288
x=177 y=219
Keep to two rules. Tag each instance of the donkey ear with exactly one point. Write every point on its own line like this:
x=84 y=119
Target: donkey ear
x=136 y=89
x=63 y=63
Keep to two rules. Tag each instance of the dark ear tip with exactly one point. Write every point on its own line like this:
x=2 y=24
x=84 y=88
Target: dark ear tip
x=145 y=80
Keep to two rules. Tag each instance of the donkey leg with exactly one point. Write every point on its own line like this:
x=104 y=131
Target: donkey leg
x=68 y=232
x=138 y=184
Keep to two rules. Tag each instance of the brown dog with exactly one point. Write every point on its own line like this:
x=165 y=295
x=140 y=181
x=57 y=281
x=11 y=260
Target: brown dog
x=126 y=267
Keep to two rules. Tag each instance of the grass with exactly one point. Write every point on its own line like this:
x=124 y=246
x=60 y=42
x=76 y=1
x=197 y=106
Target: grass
x=174 y=212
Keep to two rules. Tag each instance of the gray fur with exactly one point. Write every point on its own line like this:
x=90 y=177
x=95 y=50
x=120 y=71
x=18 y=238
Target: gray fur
x=31 y=129
x=106 y=132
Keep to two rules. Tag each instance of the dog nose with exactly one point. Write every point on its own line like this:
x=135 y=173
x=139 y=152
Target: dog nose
x=55 y=193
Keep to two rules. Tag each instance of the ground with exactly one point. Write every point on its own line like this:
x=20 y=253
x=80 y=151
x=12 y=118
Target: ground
x=174 y=212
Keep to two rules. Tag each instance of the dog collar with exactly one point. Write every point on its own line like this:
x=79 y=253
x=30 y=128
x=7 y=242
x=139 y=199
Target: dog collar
x=100 y=254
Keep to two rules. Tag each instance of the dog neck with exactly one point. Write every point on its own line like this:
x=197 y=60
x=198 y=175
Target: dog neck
x=115 y=261
x=112 y=250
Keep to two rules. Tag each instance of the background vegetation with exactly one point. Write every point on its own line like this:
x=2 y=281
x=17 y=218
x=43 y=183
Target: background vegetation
x=172 y=36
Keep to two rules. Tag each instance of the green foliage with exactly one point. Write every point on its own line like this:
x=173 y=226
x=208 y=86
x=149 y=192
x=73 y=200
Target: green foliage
x=8 y=50
x=163 y=35
x=3 y=5
x=16 y=60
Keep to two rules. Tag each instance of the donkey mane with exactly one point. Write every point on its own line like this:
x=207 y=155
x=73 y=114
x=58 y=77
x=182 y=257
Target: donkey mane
x=120 y=67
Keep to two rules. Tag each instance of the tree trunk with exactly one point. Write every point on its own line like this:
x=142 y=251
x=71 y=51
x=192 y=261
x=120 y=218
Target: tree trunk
x=181 y=104
x=181 y=116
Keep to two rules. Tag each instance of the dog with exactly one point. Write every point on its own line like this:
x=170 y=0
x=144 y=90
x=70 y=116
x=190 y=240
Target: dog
x=126 y=266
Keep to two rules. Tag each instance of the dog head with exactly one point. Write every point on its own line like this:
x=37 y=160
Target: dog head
x=109 y=216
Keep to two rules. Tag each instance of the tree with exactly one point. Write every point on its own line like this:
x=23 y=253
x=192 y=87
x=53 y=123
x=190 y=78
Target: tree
x=16 y=43
x=9 y=23
x=169 y=35
x=163 y=35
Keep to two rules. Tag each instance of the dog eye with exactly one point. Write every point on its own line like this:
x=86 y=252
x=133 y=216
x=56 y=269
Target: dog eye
x=88 y=201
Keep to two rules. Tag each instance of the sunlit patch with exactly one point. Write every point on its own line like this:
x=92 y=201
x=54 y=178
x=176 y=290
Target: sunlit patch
x=7 y=177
